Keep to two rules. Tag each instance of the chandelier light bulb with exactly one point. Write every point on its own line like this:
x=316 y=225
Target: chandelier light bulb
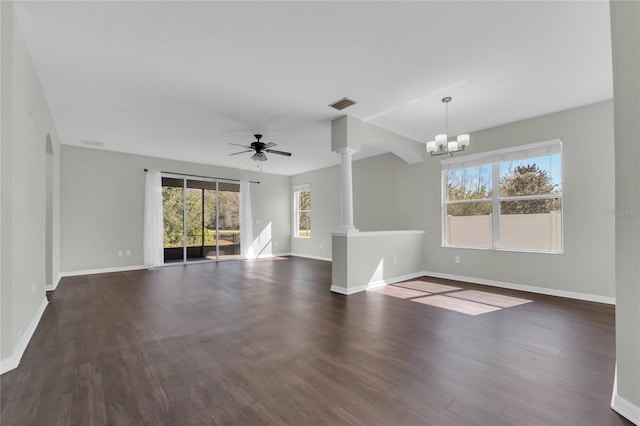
x=463 y=140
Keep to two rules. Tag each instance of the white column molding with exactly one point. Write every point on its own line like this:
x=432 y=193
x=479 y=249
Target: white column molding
x=346 y=183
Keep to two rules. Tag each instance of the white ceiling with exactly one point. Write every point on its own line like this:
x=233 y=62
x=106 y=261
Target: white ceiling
x=181 y=80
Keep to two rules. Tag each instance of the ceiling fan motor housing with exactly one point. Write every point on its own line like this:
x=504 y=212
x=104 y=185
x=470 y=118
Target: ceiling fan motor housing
x=258 y=146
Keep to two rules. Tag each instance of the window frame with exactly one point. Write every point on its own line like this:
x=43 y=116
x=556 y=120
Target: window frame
x=495 y=158
x=297 y=211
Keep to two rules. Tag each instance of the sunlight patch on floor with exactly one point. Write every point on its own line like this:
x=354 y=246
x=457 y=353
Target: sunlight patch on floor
x=489 y=298
x=400 y=292
x=470 y=302
x=427 y=286
x=458 y=305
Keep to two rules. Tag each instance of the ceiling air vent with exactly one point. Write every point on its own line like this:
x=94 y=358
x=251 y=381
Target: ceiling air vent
x=342 y=104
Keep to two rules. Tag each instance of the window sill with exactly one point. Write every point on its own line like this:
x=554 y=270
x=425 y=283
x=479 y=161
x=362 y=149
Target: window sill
x=504 y=250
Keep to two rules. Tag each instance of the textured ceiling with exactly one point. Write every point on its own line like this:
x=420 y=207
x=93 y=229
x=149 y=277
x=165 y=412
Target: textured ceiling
x=181 y=80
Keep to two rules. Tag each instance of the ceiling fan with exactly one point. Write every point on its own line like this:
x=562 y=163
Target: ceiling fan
x=260 y=148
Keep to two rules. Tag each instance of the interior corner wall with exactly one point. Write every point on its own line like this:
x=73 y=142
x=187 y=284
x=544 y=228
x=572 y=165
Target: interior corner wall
x=26 y=121
x=102 y=206
x=587 y=265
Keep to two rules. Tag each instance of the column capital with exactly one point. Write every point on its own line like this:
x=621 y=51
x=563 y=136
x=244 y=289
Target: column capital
x=346 y=151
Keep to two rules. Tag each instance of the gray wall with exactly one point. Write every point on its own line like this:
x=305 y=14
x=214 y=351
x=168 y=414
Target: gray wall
x=370 y=259
x=325 y=212
x=587 y=265
x=388 y=194
x=102 y=203
x=376 y=182
x=391 y=195
x=26 y=121
x=625 y=32
x=374 y=188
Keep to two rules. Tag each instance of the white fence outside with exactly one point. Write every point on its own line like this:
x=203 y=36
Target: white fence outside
x=539 y=232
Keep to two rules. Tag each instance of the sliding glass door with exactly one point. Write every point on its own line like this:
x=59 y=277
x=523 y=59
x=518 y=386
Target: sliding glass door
x=201 y=220
x=173 y=218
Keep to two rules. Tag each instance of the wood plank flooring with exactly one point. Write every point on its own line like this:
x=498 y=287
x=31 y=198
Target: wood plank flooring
x=266 y=343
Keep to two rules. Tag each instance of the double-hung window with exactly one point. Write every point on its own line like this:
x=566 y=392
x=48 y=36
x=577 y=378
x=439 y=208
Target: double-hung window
x=302 y=211
x=509 y=199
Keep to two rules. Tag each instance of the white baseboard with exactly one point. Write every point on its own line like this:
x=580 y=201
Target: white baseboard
x=347 y=291
x=374 y=284
x=270 y=255
x=626 y=409
x=309 y=256
x=522 y=287
x=622 y=406
x=101 y=271
x=54 y=284
x=13 y=361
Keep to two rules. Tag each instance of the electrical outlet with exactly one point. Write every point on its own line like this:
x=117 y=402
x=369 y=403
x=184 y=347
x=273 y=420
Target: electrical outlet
x=457 y=259
x=395 y=260
x=33 y=287
x=120 y=253
x=128 y=253
x=321 y=246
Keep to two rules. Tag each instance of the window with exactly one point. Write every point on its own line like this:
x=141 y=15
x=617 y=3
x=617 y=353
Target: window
x=302 y=211
x=509 y=199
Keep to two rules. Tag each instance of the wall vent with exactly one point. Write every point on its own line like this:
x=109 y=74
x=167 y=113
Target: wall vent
x=88 y=142
x=342 y=104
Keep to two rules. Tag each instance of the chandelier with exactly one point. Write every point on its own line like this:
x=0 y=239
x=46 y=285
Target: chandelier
x=442 y=145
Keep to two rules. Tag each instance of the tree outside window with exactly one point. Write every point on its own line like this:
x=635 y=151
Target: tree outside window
x=510 y=199
x=302 y=213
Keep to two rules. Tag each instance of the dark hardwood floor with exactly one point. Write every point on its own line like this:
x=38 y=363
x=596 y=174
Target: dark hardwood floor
x=265 y=342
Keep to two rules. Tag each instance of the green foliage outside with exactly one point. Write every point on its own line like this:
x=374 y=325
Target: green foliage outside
x=474 y=183
x=304 y=213
x=469 y=184
x=229 y=218
x=528 y=180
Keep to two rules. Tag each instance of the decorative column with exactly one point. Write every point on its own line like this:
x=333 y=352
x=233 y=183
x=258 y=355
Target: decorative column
x=346 y=182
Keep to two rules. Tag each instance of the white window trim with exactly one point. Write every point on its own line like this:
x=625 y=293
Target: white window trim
x=495 y=158
x=507 y=154
x=296 y=213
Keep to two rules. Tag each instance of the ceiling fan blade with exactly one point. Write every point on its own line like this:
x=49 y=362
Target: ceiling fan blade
x=242 y=152
x=270 y=144
x=275 y=151
x=237 y=144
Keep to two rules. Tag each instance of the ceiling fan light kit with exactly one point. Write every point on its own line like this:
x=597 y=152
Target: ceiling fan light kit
x=260 y=148
x=259 y=156
x=441 y=145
